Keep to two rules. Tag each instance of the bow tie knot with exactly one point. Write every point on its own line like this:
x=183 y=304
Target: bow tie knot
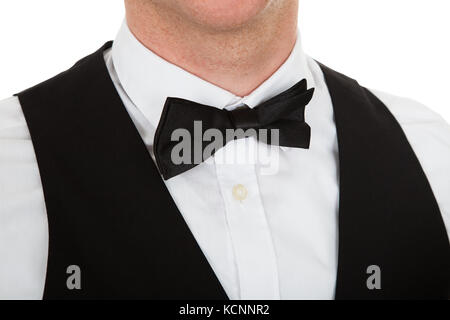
x=245 y=118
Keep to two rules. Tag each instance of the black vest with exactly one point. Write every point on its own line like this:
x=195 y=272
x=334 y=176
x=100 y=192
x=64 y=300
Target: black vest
x=110 y=213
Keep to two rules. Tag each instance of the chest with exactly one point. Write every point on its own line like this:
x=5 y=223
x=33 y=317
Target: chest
x=110 y=213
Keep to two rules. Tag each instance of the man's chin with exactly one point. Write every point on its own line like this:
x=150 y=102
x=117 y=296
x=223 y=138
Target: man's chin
x=221 y=15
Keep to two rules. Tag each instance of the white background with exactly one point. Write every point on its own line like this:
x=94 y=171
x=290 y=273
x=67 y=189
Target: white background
x=398 y=46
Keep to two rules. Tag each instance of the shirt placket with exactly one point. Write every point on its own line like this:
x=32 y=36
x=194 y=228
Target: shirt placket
x=249 y=230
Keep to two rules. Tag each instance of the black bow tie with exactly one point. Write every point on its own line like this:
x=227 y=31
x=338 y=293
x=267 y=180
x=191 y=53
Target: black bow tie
x=181 y=121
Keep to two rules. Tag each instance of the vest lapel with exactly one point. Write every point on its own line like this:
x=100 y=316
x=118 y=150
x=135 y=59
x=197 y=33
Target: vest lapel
x=388 y=215
x=109 y=211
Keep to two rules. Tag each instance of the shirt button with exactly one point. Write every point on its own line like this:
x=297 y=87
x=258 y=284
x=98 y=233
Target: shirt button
x=239 y=192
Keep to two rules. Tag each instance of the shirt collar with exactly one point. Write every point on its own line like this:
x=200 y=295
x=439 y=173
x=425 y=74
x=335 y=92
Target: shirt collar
x=149 y=80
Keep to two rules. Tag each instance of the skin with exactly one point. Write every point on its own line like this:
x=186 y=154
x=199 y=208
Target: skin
x=234 y=44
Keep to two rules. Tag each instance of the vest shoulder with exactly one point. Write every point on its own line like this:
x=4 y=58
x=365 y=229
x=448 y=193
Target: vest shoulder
x=408 y=111
x=72 y=81
x=426 y=130
x=52 y=86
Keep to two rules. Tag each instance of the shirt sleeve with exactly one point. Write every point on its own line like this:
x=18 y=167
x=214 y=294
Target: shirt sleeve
x=23 y=218
x=429 y=135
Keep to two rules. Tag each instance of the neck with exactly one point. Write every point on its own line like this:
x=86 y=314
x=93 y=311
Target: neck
x=237 y=60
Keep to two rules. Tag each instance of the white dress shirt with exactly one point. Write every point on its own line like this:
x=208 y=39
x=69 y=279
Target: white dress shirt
x=268 y=234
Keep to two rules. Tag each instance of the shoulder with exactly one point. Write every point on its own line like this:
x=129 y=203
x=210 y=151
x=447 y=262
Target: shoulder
x=427 y=131
x=408 y=111
x=12 y=120
x=429 y=135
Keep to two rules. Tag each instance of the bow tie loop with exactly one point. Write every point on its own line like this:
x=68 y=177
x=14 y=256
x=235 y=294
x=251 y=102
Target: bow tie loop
x=244 y=118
